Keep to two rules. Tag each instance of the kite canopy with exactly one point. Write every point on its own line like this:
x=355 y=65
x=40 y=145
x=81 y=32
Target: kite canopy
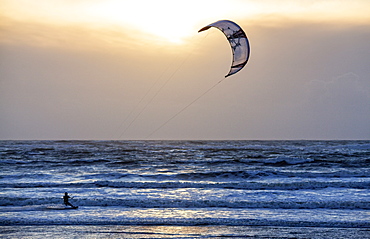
x=238 y=41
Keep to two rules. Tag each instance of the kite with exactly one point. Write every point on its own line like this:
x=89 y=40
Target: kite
x=238 y=41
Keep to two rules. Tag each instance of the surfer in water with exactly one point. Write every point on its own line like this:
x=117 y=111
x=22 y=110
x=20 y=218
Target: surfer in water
x=66 y=197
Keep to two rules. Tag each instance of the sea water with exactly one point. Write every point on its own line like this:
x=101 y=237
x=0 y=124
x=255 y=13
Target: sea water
x=185 y=189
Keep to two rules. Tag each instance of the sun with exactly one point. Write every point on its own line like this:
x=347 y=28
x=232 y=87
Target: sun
x=149 y=21
x=166 y=20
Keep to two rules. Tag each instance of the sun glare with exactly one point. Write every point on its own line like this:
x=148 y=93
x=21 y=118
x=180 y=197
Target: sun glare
x=168 y=20
x=152 y=22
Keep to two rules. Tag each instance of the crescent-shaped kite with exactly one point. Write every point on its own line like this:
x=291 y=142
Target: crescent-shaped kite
x=238 y=41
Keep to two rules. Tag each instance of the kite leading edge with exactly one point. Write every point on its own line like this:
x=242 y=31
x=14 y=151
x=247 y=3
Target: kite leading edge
x=238 y=41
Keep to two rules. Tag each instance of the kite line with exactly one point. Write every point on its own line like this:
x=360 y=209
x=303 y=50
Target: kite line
x=240 y=47
x=142 y=99
x=185 y=59
x=183 y=109
x=239 y=44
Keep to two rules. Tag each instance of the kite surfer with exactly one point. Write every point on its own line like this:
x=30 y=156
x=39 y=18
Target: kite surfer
x=66 y=197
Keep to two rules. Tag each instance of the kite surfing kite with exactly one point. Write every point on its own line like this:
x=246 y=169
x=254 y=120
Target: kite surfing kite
x=240 y=49
x=238 y=41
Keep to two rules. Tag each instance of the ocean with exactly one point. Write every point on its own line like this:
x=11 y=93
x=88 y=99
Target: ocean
x=185 y=189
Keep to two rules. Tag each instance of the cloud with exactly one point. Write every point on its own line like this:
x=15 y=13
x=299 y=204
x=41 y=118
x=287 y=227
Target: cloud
x=304 y=80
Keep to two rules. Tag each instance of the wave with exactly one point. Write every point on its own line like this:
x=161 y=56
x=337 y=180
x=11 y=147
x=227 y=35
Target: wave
x=185 y=222
x=253 y=185
x=120 y=160
x=329 y=218
x=241 y=175
x=288 y=152
x=183 y=203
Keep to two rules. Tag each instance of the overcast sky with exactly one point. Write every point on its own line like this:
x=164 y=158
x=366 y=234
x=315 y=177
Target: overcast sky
x=109 y=69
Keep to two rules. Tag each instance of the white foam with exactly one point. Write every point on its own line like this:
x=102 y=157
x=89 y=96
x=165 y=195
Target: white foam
x=189 y=217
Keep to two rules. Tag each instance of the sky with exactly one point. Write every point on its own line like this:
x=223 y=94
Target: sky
x=132 y=70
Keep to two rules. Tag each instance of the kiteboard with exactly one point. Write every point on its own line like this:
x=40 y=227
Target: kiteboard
x=71 y=208
x=61 y=208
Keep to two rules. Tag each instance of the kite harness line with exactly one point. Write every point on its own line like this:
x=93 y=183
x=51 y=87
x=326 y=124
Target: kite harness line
x=182 y=62
x=183 y=109
x=240 y=47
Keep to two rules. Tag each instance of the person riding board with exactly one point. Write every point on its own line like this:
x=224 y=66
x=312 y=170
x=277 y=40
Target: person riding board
x=66 y=198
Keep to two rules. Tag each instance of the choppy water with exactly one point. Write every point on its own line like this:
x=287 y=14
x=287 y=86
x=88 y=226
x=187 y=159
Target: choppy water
x=233 y=184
